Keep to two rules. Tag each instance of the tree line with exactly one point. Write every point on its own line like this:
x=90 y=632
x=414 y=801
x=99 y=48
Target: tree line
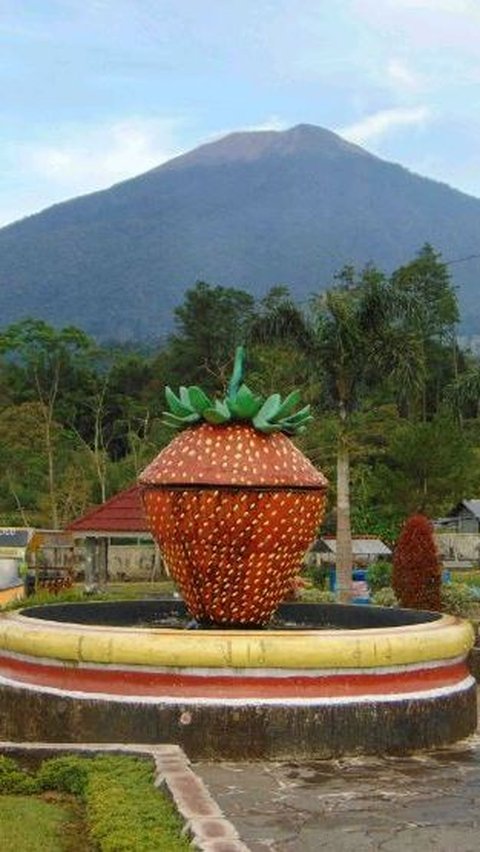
x=396 y=400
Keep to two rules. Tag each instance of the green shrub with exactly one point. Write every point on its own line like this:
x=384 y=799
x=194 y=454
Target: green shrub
x=457 y=599
x=14 y=780
x=379 y=576
x=318 y=574
x=385 y=597
x=125 y=812
x=67 y=774
x=315 y=595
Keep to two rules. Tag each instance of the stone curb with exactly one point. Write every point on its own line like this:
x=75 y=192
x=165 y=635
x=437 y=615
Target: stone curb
x=205 y=824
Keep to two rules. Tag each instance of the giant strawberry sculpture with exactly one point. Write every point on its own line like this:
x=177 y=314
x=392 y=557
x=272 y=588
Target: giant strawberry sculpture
x=232 y=503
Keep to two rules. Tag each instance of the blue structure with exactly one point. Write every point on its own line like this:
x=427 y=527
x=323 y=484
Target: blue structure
x=359 y=580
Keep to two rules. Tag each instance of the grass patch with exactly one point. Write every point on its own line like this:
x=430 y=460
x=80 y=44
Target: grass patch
x=136 y=591
x=113 y=592
x=29 y=823
x=470 y=578
x=124 y=811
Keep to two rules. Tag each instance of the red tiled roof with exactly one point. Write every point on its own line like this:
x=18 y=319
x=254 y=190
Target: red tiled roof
x=122 y=513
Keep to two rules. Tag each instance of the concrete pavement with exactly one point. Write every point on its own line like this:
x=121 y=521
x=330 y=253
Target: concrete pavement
x=427 y=801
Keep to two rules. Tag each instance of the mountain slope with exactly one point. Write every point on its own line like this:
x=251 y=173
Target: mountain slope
x=250 y=210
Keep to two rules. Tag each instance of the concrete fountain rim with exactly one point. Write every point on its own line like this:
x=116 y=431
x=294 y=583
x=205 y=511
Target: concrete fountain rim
x=229 y=694
x=446 y=637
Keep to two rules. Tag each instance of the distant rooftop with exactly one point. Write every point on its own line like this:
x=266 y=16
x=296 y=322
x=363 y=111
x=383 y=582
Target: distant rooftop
x=366 y=546
x=472 y=506
x=123 y=513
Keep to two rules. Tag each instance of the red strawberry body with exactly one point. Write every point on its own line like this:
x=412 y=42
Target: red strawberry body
x=233 y=511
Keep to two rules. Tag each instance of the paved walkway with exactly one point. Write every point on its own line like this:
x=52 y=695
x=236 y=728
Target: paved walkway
x=430 y=801
x=427 y=801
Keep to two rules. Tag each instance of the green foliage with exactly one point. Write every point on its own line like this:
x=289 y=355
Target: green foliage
x=426 y=312
x=318 y=574
x=33 y=824
x=470 y=578
x=49 y=365
x=385 y=597
x=211 y=321
x=23 y=460
x=125 y=812
x=66 y=774
x=376 y=359
x=350 y=322
x=80 y=411
x=424 y=294
x=427 y=467
x=457 y=599
x=379 y=575
x=367 y=520
x=14 y=780
x=317 y=596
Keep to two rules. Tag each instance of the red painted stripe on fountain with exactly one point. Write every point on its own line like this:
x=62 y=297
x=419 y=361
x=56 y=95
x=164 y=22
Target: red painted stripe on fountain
x=129 y=683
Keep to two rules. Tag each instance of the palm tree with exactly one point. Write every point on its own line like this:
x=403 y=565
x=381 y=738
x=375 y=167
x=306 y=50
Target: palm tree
x=342 y=336
x=464 y=392
x=350 y=322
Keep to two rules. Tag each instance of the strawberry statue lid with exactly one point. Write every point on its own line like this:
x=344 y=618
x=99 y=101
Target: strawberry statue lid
x=239 y=441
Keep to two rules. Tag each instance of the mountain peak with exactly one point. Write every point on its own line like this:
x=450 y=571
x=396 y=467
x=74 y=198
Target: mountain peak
x=250 y=145
x=318 y=139
x=250 y=210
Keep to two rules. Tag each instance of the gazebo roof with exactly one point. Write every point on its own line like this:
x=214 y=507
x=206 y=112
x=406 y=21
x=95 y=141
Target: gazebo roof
x=361 y=546
x=122 y=513
x=472 y=506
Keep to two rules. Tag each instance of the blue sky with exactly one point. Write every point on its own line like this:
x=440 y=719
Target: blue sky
x=96 y=91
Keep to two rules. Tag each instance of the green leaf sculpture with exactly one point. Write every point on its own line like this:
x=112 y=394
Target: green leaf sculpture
x=273 y=414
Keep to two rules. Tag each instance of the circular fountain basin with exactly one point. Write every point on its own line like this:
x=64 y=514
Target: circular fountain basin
x=327 y=680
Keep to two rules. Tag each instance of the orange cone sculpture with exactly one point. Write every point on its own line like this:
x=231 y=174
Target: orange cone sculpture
x=232 y=503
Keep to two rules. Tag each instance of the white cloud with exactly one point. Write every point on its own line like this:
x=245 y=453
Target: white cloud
x=402 y=77
x=272 y=123
x=380 y=123
x=78 y=159
x=85 y=159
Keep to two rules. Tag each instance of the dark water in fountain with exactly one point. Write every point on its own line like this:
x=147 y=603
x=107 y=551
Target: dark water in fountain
x=172 y=614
